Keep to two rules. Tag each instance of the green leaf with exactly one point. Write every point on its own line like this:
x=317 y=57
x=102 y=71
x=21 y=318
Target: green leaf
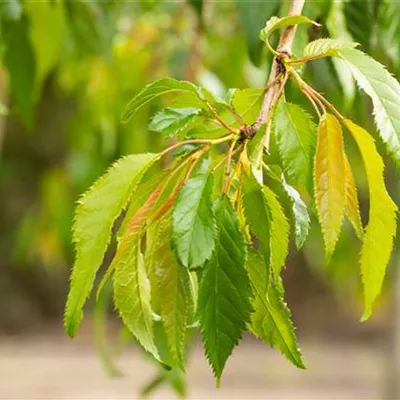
x=253 y=15
x=172 y=121
x=295 y=136
x=174 y=291
x=381 y=228
x=329 y=182
x=300 y=215
x=276 y=23
x=94 y=218
x=327 y=47
x=224 y=294
x=153 y=90
x=270 y=319
x=280 y=229
x=20 y=62
x=352 y=206
x=247 y=103
x=193 y=224
x=257 y=215
x=132 y=297
x=384 y=91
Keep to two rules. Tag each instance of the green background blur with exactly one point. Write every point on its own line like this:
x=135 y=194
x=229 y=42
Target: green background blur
x=67 y=70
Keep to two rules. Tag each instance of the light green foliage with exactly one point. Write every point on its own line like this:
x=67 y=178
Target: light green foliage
x=295 y=135
x=247 y=103
x=193 y=226
x=224 y=294
x=206 y=231
x=173 y=121
x=94 y=218
x=270 y=319
x=279 y=232
x=301 y=218
x=132 y=297
x=381 y=228
x=154 y=90
x=276 y=23
x=384 y=91
x=173 y=290
x=326 y=47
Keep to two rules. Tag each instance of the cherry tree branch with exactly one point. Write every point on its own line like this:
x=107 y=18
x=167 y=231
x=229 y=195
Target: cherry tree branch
x=275 y=85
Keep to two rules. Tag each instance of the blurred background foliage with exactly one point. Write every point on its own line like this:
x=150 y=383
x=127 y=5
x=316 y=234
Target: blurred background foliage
x=69 y=68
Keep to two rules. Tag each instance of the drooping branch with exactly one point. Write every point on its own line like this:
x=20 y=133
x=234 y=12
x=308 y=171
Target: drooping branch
x=274 y=84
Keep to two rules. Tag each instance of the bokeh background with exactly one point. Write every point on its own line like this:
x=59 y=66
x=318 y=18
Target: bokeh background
x=67 y=70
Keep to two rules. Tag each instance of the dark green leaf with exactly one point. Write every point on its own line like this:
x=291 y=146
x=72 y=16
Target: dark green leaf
x=224 y=294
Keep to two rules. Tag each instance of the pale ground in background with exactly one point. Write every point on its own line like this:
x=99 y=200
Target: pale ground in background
x=51 y=366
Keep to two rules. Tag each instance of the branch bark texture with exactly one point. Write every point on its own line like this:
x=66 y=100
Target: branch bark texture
x=274 y=85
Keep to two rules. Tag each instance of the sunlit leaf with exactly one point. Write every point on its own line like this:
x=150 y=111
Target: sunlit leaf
x=352 y=206
x=328 y=47
x=94 y=218
x=381 y=228
x=280 y=229
x=329 y=182
x=384 y=91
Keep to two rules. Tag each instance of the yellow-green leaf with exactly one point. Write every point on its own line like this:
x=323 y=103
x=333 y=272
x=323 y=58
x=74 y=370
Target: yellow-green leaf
x=352 y=209
x=381 y=228
x=279 y=235
x=329 y=185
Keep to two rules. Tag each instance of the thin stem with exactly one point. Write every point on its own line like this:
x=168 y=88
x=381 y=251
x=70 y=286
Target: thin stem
x=211 y=142
x=274 y=84
x=300 y=61
x=220 y=121
x=228 y=167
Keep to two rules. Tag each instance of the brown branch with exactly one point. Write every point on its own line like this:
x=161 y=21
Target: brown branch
x=274 y=85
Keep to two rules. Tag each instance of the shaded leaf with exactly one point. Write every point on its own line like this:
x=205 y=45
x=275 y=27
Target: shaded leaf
x=270 y=319
x=295 y=136
x=381 y=228
x=94 y=218
x=330 y=189
x=224 y=293
x=193 y=225
x=257 y=215
x=247 y=103
x=300 y=215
